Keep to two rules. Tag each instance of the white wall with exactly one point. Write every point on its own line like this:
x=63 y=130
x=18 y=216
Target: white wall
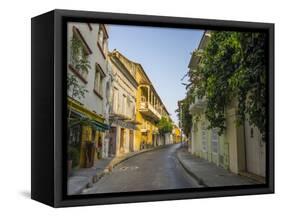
x=122 y=86
x=15 y=107
x=91 y=100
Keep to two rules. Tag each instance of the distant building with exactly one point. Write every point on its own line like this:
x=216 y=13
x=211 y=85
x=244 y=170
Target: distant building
x=180 y=114
x=149 y=106
x=177 y=134
x=150 y=109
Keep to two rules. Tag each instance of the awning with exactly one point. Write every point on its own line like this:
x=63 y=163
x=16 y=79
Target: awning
x=99 y=126
x=82 y=119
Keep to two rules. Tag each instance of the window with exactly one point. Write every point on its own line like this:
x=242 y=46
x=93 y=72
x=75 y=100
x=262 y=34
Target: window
x=99 y=77
x=101 y=36
x=74 y=136
x=115 y=100
x=129 y=106
x=79 y=52
x=215 y=141
x=124 y=104
x=102 y=39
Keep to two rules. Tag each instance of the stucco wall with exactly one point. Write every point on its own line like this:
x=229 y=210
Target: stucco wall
x=91 y=100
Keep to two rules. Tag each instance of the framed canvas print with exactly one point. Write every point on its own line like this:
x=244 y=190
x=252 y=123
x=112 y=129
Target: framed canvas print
x=133 y=108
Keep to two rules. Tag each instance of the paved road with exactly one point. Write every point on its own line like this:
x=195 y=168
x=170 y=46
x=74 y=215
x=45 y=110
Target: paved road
x=154 y=170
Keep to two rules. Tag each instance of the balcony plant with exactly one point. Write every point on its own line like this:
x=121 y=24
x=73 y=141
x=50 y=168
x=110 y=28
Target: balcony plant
x=78 y=57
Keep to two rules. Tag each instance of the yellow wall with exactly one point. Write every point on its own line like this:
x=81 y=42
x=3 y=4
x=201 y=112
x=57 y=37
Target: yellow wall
x=87 y=136
x=139 y=137
x=176 y=135
x=86 y=130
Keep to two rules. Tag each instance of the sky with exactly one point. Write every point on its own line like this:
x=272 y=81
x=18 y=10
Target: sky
x=164 y=54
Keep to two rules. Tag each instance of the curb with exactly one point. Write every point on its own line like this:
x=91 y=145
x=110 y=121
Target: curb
x=80 y=189
x=188 y=170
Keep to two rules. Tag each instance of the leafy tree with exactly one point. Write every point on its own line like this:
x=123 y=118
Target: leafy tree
x=186 y=119
x=164 y=125
x=233 y=66
x=80 y=62
x=76 y=90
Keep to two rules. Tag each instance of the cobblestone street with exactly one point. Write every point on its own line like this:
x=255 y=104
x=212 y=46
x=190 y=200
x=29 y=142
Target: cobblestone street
x=154 y=170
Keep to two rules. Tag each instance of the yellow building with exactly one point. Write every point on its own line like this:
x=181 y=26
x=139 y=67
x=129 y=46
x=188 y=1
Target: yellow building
x=149 y=107
x=176 y=134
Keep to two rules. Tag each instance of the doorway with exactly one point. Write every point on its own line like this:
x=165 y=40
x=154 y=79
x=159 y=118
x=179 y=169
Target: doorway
x=122 y=140
x=112 y=142
x=255 y=150
x=131 y=141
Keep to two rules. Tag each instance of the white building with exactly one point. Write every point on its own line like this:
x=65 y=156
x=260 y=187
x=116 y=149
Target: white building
x=239 y=148
x=123 y=107
x=87 y=63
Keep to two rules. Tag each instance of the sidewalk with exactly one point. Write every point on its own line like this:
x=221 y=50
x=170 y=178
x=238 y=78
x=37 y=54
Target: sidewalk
x=85 y=177
x=208 y=174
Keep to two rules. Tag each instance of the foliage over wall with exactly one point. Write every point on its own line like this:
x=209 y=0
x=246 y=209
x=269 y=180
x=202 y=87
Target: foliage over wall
x=78 y=57
x=233 y=66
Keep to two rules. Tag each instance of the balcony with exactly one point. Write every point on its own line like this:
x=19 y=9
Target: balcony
x=198 y=105
x=148 y=110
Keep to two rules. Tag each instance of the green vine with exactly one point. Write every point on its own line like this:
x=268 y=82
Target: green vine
x=232 y=67
x=78 y=56
x=186 y=119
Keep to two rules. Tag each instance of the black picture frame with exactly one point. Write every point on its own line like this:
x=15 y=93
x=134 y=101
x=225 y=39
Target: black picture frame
x=48 y=164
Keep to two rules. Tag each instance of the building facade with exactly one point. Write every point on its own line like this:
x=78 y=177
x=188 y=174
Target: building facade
x=88 y=73
x=177 y=134
x=149 y=107
x=123 y=107
x=150 y=110
x=240 y=148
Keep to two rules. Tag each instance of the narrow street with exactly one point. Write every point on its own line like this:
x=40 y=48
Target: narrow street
x=154 y=170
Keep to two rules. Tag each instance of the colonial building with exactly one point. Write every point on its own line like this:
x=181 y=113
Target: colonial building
x=149 y=107
x=87 y=72
x=123 y=107
x=177 y=134
x=240 y=148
